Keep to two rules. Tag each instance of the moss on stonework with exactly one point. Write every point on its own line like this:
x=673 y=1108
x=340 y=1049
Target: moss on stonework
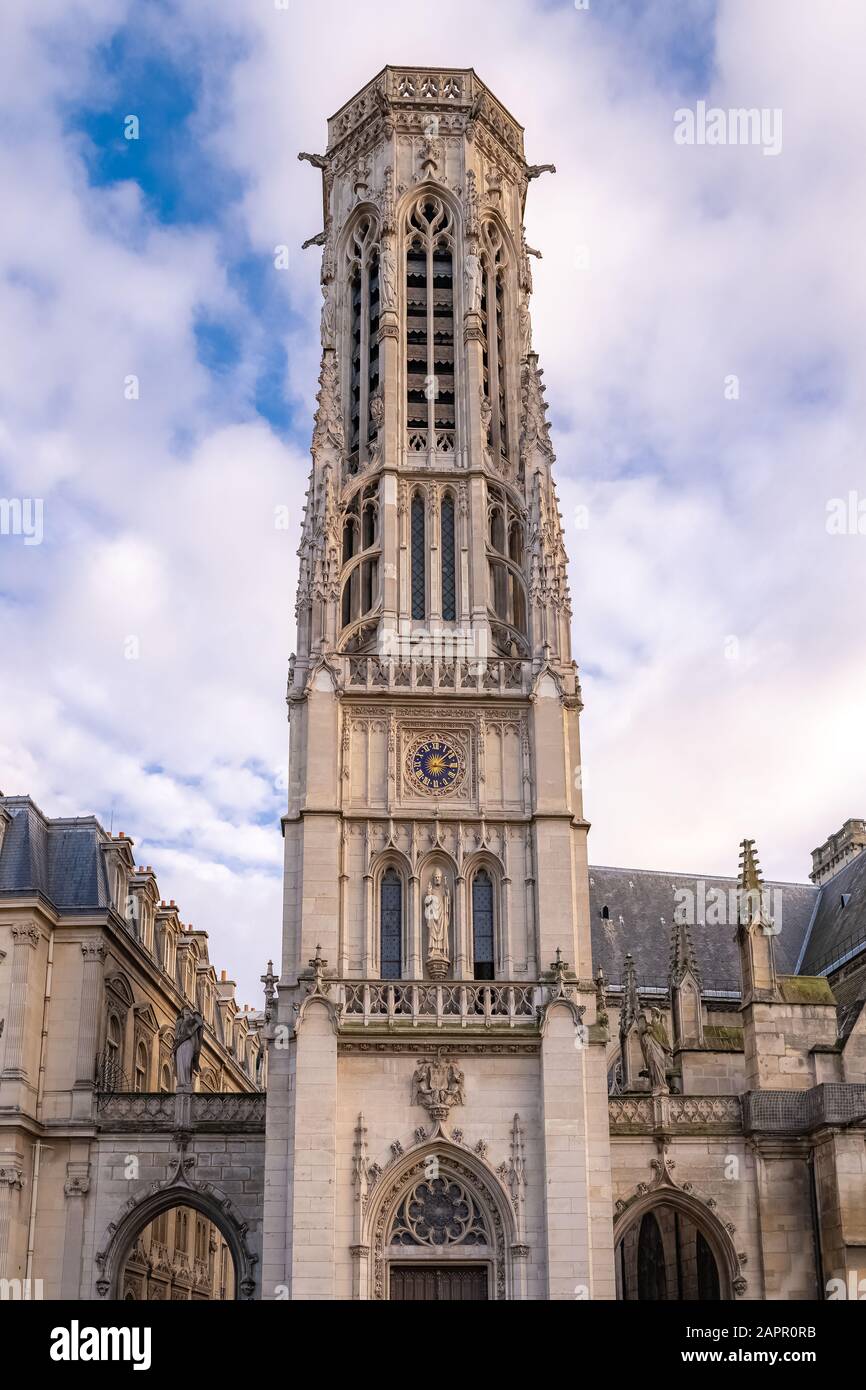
x=805 y=989
x=719 y=1038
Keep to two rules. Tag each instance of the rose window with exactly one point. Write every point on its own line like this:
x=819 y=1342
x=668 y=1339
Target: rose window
x=438 y=1211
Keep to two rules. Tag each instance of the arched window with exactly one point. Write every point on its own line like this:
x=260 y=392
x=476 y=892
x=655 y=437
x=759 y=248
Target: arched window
x=165 y=1079
x=708 y=1271
x=419 y=559
x=113 y=1044
x=361 y=584
x=140 y=1068
x=482 y=925
x=651 y=1274
x=181 y=1230
x=364 y=300
x=391 y=926
x=494 y=261
x=430 y=326
x=507 y=592
x=449 y=572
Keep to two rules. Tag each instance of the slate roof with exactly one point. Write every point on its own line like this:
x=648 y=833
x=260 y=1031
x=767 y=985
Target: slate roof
x=638 y=898
x=839 y=925
x=60 y=859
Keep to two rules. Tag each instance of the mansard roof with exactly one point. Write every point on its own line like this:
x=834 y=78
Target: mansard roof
x=60 y=859
x=637 y=900
x=840 y=920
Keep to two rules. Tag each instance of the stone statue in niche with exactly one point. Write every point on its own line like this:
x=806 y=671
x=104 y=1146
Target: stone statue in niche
x=388 y=275
x=187 y=1047
x=437 y=918
x=525 y=323
x=327 y=316
x=472 y=282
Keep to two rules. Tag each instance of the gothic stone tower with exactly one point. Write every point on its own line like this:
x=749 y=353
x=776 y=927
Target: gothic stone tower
x=437 y=1101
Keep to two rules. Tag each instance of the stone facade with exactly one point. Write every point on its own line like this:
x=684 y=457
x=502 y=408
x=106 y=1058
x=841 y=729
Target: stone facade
x=94 y=970
x=492 y=1070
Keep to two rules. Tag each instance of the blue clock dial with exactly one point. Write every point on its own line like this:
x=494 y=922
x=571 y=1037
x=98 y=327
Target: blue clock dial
x=436 y=766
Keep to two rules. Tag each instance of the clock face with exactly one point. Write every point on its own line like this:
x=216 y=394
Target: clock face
x=435 y=765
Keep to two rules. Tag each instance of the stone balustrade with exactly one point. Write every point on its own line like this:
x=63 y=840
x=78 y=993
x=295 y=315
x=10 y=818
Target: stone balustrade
x=455 y=674
x=453 y=1004
x=647 y=1114
x=128 y=1111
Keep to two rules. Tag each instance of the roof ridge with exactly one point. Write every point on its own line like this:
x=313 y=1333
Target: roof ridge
x=727 y=878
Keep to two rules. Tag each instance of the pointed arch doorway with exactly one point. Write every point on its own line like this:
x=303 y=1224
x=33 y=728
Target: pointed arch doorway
x=440 y=1230
x=670 y=1251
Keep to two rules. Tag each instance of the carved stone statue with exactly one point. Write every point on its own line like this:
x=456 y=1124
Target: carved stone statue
x=525 y=323
x=437 y=1085
x=377 y=409
x=472 y=282
x=388 y=277
x=187 y=1047
x=656 y=1049
x=328 y=316
x=437 y=916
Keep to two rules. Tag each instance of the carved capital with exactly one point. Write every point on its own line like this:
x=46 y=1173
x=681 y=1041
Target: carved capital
x=26 y=934
x=94 y=951
x=77 y=1182
x=12 y=1176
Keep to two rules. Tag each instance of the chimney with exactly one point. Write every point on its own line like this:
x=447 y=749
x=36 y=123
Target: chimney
x=836 y=851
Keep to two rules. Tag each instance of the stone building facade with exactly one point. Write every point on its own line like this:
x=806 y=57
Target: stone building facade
x=494 y=1071
x=95 y=969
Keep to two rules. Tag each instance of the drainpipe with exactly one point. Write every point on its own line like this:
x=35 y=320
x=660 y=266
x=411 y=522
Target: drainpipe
x=816 y=1225
x=40 y=1091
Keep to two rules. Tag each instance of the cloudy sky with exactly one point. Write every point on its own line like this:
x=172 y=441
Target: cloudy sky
x=719 y=623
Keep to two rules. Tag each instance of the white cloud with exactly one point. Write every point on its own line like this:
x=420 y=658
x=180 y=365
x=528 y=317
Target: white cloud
x=707 y=516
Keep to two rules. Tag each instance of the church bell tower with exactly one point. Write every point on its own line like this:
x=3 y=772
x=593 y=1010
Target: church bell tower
x=437 y=1104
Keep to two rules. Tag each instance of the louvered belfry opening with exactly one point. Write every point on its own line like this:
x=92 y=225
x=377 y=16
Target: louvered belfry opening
x=494 y=309
x=430 y=411
x=364 y=305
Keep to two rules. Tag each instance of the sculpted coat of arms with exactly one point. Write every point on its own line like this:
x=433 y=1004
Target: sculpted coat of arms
x=437 y=1085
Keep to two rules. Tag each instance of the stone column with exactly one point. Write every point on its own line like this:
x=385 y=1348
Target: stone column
x=577 y=1189
x=76 y=1188
x=94 y=952
x=463 y=969
x=11 y=1183
x=314 y=1181
x=26 y=937
x=416 y=945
